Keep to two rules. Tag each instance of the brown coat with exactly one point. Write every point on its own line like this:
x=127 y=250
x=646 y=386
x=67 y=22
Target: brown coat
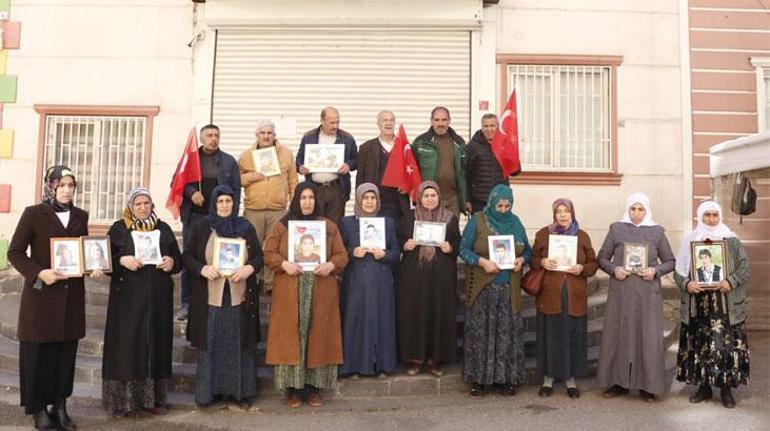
x=56 y=312
x=325 y=339
x=272 y=193
x=549 y=299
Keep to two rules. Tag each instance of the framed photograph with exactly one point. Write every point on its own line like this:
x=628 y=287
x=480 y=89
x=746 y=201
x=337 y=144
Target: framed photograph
x=429 y=233
x=266 y=161
x=307 y=243
x=372 y=232
x=147 y=246
x=229 y=254
x=96 y=254
x=709 y=262
x=324 y=158
x=635 y=257
x=562 y=250
x=502 y=251
x=66 y=256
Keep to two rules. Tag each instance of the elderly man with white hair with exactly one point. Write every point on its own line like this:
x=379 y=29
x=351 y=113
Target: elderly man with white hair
x=372 y=159
x=268 y=188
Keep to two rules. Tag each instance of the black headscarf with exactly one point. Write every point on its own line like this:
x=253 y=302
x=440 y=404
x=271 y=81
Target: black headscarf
x=231 y=226
x=295 y=210
x=53 y=176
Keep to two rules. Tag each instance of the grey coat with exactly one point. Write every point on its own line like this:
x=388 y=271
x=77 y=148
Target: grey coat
x=738 y=270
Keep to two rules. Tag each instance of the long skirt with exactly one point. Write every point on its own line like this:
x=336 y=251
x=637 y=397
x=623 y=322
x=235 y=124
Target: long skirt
x=134 y=394
x=711 y=351
x=297 y=376
x=494 y=339
x=562 y=343
x=224 y=368
x=46 y=373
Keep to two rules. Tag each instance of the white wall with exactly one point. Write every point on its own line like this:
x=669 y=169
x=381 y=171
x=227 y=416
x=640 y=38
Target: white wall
x=646 y=33
x=99 y=52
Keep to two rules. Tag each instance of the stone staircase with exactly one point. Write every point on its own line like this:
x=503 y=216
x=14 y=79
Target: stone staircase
x=89 y=362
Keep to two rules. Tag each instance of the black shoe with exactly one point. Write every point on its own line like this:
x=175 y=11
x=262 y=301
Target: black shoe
x=509 y=390
x=615 y=391
x=704 y=393
x=545 y=391
x=727 y=398
x=573 y=392
x=477 y=390
x=59 y=413
x=43 y=421
x=646 y=396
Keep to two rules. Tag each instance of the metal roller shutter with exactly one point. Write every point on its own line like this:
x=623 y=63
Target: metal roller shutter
x=294 y=73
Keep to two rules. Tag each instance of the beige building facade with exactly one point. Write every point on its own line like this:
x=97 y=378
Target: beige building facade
x=113 y=90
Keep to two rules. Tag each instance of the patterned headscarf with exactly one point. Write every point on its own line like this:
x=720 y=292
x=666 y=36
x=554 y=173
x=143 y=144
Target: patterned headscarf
x=360 y=192
x=53 y=176
x=573 y=228
x=436 y=215
x=130 y=219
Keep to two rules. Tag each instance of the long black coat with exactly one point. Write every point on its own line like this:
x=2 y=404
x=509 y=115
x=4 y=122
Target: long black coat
x=426 y=299
x=139 y=334
x=194 y=258
x=56 y=312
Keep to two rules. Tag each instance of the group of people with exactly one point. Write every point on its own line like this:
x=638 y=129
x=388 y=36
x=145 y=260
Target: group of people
x=363 y=309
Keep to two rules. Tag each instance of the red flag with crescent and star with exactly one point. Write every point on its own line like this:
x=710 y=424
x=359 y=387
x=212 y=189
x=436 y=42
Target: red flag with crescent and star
x=188 y=170
x=505 y=143
x=401 y=171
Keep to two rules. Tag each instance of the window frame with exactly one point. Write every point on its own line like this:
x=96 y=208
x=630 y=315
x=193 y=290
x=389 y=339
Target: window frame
x=611 y=177
x=44 y=110
x=762 y=68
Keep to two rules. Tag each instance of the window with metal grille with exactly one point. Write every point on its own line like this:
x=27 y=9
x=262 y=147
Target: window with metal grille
x=105 y=152
x=564 y=116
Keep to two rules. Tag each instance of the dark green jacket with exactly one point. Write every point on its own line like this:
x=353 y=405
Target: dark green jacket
x=427 y=155
x=739 y=272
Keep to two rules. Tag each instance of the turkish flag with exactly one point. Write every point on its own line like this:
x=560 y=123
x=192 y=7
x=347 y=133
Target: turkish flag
x=505 y=143
x=187 y=171
x=401 y=171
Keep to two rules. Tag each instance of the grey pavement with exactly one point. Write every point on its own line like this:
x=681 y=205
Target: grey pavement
x=454 y=411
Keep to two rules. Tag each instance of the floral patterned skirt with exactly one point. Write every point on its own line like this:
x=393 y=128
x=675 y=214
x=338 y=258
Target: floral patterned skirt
x=711 y=351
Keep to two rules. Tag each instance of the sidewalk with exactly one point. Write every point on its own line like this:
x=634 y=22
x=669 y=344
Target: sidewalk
x=456 y=411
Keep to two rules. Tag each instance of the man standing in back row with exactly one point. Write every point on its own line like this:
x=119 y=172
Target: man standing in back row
x=482 y=170
x=332 y=189
x=440 y=153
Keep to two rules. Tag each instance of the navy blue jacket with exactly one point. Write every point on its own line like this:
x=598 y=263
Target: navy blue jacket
x=351 y=154
x=228 y=175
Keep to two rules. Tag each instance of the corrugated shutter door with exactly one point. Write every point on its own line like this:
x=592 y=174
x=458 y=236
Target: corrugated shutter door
x=295 y=73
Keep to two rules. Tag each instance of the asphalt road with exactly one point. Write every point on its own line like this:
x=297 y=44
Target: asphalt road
x=457 y=411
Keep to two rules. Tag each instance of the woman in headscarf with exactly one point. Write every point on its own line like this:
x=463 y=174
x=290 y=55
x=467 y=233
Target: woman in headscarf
x=139 y=332
x=494 y=331
x=713 y=345
x=631 y=354
x=224 y=310
x=52 y=311
x=368 y=300
x=304 y=341
x=562 y=328
x=426 y=293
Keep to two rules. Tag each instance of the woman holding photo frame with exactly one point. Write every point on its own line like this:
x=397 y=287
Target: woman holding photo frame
x=304 y=342
x=562 y=325
x=224 y=310
x=631 y=354
x=52 y=313
x=139 y=332
x=713 y=344
x=426 y=294
x=368 y=300
x=494 y=329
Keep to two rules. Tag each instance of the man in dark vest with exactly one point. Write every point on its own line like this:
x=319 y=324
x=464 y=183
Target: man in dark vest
x=482 y=170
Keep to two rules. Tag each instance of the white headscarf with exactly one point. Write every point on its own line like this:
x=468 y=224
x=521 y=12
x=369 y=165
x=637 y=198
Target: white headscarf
x=701 y=232
x=639 y=198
